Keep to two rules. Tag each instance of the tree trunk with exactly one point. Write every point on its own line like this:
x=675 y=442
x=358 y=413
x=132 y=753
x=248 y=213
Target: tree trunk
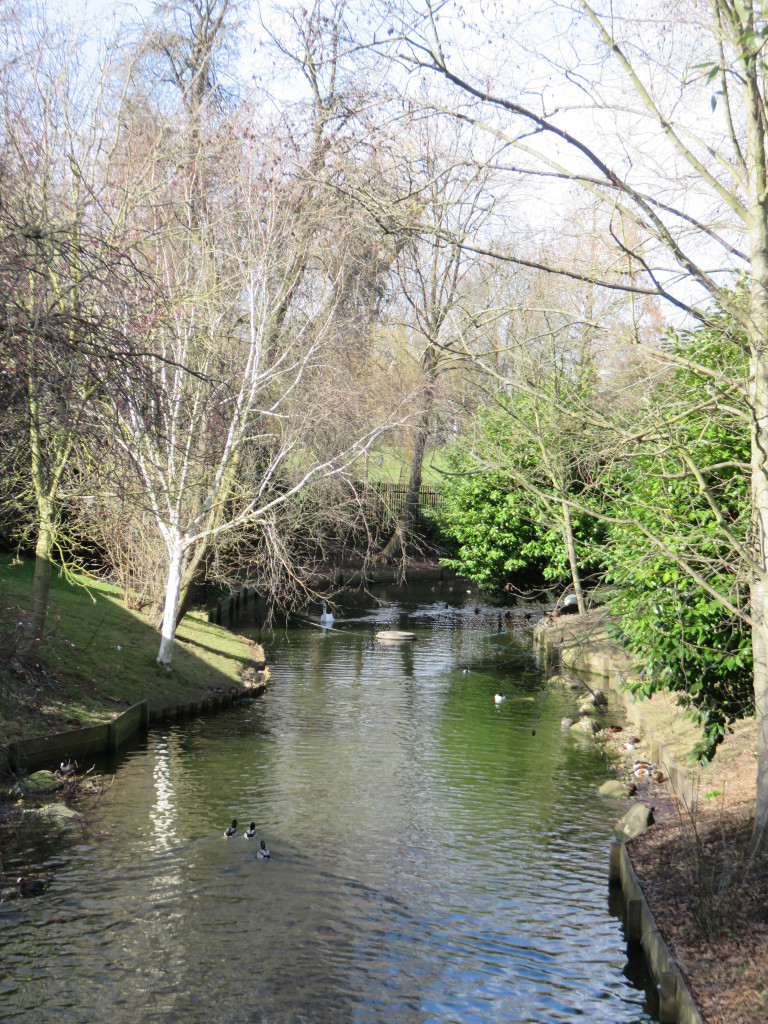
x=397 y=544
x=759 y=595
x=758 y=238
x=571 y=545
x=172 y=589
x=188 y=594
x=41 y=585
x=192 y=577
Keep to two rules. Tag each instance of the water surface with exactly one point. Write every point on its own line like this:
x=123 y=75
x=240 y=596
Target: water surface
x=435 y=857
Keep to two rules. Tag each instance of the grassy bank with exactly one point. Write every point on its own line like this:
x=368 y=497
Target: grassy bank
x=97 y=657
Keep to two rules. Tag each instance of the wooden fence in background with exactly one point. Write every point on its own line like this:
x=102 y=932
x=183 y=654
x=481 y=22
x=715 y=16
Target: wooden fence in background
x=393 y=495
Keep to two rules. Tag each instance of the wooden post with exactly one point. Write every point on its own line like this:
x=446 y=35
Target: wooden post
x=614 y=864
x=633 y=920
x=667 y=998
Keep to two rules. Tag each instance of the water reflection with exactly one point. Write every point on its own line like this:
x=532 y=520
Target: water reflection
x=428 y=849
x=163 y=814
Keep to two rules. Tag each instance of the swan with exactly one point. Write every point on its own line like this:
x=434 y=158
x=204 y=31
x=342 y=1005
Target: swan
x=326 y=619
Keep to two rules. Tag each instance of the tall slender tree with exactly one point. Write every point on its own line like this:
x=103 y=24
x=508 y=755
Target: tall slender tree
x=673 y=142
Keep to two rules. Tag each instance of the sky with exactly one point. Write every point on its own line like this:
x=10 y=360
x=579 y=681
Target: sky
x=522 y=50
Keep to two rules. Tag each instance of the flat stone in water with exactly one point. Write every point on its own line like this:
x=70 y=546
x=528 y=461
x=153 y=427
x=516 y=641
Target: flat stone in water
x=60 y=814
x=614 y=788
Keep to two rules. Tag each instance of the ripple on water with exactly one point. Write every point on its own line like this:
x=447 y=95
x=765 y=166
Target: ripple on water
x=428 y=853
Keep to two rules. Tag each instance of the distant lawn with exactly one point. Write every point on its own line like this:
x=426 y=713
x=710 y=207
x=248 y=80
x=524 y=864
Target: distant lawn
x=97 y=657
x=393 y=466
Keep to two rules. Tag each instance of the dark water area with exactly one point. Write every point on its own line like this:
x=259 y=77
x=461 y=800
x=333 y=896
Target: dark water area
x=436 y=857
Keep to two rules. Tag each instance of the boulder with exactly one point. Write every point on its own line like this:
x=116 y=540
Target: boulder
x=614 y=788
x=586 y=725
x=41 y=782
x=636 y=821
x=596 y=699
x=59 y=815
x=559 y=680
x=570 y=606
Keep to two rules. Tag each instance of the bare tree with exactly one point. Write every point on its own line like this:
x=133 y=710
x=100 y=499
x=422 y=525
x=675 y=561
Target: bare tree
x=234 y=424
x=437 y=198
x=61 y=253
x=692 y=191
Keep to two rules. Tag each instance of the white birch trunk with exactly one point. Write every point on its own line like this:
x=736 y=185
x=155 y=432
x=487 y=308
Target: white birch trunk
x=172 y=590
x=759 y=594
x=758 y=237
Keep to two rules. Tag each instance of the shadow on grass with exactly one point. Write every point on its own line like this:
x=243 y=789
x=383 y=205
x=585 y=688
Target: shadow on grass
x=97 y=657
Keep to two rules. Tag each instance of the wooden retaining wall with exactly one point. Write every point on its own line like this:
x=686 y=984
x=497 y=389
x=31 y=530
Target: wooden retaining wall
x=97 y=740
x=676 y=1005
x=607 y=669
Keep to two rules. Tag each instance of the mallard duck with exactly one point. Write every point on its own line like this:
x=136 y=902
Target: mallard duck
x=263 y=853
x=232 y=830
x=250 y=833
x=499 y=697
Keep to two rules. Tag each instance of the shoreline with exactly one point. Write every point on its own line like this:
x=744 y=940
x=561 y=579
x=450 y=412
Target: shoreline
x=707 y=902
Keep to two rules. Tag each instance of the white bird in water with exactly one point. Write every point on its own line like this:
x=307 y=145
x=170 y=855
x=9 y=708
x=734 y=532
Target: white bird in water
x=326 y=619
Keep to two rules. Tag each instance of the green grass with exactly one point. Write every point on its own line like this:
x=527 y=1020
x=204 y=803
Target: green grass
x=97 y=657
x=395 y=467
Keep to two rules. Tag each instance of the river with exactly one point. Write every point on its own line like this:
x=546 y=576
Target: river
x=435 y=856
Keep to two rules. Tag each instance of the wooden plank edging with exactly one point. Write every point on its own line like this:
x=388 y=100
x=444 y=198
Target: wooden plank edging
x=107 y=738
x=676 y=1005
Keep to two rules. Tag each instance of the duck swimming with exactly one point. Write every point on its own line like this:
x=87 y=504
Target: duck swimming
x=232 y=830
x=29 y=887
x=250 y=833
x=263 y=853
